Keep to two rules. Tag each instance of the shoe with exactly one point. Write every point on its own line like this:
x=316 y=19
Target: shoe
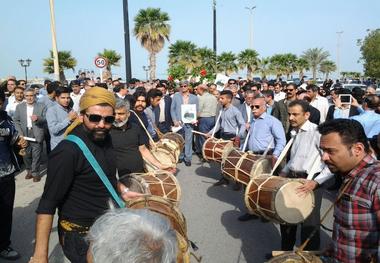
x=28 y=176
x=237 y=186
x=222 y=181
x=180 y=161
x=9 y=254
x=187 y=163
x=36 y=178
x=247 y=217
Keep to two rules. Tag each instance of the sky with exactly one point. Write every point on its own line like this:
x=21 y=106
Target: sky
x=86 y=27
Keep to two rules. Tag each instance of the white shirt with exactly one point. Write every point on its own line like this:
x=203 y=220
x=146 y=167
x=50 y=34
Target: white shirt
x=249 y=112
x=29 y=113
x=279 y=96
x=162 y=110
x=75 y=98
x=322 y=104
x=11 y=107
x=305 y=151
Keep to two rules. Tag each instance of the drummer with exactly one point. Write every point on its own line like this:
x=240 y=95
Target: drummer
x=129 y=142
x=266 y=135
x=304 y=160
x=230 y=123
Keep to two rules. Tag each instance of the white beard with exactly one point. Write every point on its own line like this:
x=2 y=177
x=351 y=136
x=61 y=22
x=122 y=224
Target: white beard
x=120 y=124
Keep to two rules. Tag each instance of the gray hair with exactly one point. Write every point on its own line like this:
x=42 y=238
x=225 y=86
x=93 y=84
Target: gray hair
x=120 y=103
x=30 y=89
x=139 y=236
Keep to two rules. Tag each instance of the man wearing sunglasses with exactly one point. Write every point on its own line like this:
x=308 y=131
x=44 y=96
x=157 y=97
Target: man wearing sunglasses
x=73 y=186
x=281 y=110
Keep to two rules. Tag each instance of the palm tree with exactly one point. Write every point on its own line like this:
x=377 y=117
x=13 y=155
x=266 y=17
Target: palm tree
x=278 y=65
x=264 y=67
x=248 y=59
x=66 y=61
x=226 y=62
x=151 y=29
x=314 y=57
x=207 y=59
x=301 y=66
x=112 y=57
x=290 y=61
x=327 y=67
x=184 y=53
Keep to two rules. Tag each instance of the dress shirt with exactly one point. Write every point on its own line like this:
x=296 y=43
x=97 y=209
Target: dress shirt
x=341 y=113
x=279 y=96
x=162 y=110
x=322 y=104
x=264 y=130
x=305 y=151
x=207 y=105
x=356 y=229
x=249 y=112
x=29 y=113
x=11 y=107
x=231 y=121
x=75 y=98
x=370 y=120
x=58 y=120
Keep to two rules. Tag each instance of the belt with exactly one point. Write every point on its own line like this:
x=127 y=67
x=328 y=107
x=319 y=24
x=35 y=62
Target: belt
x=73 y=227
x=294 y=174
x=270 y=152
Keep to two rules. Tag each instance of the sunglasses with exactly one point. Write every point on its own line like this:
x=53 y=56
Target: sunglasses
x=289 y=90
x=182 y=86
x=97 y=118
x=255 y=107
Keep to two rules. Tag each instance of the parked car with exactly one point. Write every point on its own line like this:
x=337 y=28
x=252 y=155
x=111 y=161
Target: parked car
x=352 y=86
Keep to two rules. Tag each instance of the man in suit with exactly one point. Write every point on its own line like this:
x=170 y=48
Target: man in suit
x=165 y=119
x=30 y=121
x=181 y=98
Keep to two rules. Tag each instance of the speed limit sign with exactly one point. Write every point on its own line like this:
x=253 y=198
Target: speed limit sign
x=101 y=62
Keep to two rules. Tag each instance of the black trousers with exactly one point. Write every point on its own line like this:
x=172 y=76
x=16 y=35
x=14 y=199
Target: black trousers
x=74 y=245
x=7 y=199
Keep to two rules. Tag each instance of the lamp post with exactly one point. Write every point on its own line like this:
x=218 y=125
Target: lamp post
x=25 y=63
x=146 y=69
x=250 y=9
x=339 y=34
x=214 y=24
x=127 y=45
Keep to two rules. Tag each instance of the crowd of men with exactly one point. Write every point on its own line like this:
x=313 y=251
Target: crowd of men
x=334 y=132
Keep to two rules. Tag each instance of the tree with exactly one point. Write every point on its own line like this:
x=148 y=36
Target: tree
x=184 y=53
x=301 y=66
x=264 y=67
x=327 y=67
x=112 y=56
x=151 y=29
x=370 y=49
x=226 y=62
x=314 y=57
x=207 y=59
x=278 y=65
x=177 y=72
x=66 y=61
x=248 y=59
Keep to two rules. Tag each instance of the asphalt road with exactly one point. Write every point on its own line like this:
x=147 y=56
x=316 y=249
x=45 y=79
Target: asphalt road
x=211 y=214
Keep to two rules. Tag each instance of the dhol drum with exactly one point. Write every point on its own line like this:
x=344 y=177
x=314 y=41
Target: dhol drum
x=242 y=166
x=163 y=154
x=158 y=183
x=275 y=198
x=295 y=257
x=175 y=137
x=171 y=146
x=213 y=149
x=171 y=212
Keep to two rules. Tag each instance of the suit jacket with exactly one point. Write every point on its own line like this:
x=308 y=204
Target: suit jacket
x=38 y=126
x=330 y=113
x=242 y=109
x=177 y=101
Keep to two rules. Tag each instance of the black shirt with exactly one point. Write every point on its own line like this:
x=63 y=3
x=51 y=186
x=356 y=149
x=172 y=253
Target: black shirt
x=72 y=185
x=126 y=141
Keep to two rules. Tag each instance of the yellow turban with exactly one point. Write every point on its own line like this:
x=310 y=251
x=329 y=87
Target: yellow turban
x=92 y=97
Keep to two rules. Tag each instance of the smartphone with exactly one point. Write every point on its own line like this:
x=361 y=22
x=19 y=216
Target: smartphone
x=345 y=98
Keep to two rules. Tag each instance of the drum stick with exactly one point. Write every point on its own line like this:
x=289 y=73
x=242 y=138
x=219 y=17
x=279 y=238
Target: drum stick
x=246 y=141
x=216 y=124
x=282 y=155
x=268 y=147
x=200 y=133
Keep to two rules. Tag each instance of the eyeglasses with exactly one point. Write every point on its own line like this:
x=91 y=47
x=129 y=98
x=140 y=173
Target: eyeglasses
x=97 y=118
x=289 y=90
x=255 y=107
x=182 y=86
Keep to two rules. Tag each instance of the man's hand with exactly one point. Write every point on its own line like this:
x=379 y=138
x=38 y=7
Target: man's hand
x=73 y=115
x=22 y=142
x=354 y=102
x=34 y=117
x=35 y=259
x=274 y=160
x=337 y=102
x=168 y=168
x=307 y=187
x=247 y=126
x=126 y=194
x=177 y=123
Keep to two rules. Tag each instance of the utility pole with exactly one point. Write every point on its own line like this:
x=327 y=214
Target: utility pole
x=214 y=24
x=25 y=63
x=250 y=9
x=127 y=44
x=339 y=34
x=54 y=41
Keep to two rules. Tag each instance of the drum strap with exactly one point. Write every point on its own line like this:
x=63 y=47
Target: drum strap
x=95 y=165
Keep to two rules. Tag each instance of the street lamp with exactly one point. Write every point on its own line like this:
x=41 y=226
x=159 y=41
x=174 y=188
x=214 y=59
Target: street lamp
x=146 y=69
x=25 y=63
x=251 y=26
x=339 y=34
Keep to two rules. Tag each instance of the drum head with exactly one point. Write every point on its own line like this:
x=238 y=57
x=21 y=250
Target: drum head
x=290 y=207
x=292 y=257
x=135 y=183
